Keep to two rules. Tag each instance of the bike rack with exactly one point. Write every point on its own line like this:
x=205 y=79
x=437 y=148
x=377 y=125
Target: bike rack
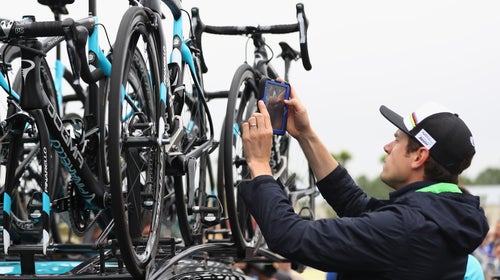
x=101 y=259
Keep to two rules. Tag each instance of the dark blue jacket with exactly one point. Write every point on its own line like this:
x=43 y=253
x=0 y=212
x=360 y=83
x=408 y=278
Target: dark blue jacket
x=424 y=231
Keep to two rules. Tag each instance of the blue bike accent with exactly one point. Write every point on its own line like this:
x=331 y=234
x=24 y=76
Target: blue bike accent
x=6 y=203
x=5 y=86
x=59 y=74
x=93 y=45
x=185 y=52
x=46 y=203
x=163 y=93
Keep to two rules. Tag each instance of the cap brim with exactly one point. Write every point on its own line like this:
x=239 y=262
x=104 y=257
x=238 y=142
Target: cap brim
x=394 y=118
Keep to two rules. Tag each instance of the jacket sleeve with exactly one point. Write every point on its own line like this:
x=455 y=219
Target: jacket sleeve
x=327 y=244
x=344 y=195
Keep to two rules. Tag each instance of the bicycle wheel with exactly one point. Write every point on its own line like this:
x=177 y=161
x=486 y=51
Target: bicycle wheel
x=242 y=101
x=135 y=152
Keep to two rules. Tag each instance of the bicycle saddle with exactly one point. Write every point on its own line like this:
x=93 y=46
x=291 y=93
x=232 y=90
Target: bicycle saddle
x=288 y=52
x=57 y=6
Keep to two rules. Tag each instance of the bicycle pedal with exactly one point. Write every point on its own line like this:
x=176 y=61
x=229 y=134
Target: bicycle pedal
x=210 y=215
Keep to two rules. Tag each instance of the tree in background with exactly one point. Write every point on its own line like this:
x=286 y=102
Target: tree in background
x=490 y=176
x=343 y=157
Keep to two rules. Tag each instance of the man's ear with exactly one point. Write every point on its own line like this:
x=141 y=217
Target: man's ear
x=420 y=157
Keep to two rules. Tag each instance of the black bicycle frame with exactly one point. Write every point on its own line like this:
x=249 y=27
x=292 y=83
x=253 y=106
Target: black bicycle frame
x=32 y=99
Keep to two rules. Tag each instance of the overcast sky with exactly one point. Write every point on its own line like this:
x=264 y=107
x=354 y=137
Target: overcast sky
x=364 y=53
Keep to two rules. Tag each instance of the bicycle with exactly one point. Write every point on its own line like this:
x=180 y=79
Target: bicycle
x=242 y=101
x=35 y=132
x=53 y=84
x=176 y=132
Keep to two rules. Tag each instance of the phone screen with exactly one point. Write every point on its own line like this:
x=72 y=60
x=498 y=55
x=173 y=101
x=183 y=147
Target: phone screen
x=274 y=96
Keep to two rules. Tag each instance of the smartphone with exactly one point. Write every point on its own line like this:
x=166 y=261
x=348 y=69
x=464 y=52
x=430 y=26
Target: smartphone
x=274 y=94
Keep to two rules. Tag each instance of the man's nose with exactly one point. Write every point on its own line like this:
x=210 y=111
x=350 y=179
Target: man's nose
x=387 y=148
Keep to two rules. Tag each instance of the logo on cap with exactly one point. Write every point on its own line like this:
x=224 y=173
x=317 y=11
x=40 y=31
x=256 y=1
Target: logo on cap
x=425 y=139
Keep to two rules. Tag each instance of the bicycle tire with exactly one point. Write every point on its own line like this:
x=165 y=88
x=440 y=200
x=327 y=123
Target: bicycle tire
x=135 y=169
x=242 y=101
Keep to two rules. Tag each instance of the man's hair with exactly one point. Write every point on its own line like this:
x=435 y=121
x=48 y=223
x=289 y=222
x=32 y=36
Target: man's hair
x=433 y=171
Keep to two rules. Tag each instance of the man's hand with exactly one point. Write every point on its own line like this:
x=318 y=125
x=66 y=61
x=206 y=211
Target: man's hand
x=257 y=141
x=298 y=124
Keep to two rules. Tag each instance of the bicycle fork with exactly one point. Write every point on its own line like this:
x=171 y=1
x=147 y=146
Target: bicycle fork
x=17 y=124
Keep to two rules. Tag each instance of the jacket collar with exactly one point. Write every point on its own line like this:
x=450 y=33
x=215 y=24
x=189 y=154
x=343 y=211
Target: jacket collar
x=425 y=186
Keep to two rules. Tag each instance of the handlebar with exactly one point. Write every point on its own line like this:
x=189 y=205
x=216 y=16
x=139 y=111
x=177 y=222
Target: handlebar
x=10 y=29
x=301 y=26
x=75 y=34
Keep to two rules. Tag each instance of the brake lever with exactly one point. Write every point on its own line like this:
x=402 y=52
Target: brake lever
x=68 y=25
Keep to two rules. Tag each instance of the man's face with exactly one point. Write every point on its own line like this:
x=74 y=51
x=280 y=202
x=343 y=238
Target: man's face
x=397 y=163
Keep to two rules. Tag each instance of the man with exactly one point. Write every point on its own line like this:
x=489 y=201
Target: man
x=425 y=230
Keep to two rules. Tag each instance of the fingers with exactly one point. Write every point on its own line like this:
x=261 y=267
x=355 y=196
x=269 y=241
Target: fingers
x=254 y=122
x=245 y=127
x=293 y=93
x=264 y=115
x=257 y=142
x=259 y=120
x=294 y=103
